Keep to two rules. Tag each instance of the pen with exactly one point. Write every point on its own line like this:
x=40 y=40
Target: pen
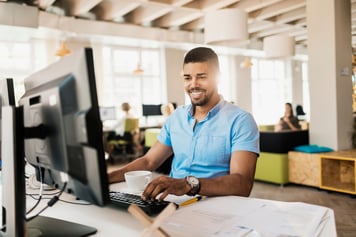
x=190 y=201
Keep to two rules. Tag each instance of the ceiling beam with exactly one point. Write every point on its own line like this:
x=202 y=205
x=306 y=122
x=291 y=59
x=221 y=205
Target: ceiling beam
x=259 y=25
x=78 y=7
x=209 y=5
x=253 y=5
x=110 y=29
x=276 y=29
x=278 y=8
x=149 y=12
x=178 y=17
x=196 y=25
x=290 y=16
x=111 y=9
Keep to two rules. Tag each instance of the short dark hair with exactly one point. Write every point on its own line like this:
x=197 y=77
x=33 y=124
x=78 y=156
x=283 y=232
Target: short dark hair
x=202 y=54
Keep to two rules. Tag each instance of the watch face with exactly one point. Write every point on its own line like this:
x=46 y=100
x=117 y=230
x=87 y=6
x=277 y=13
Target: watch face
x=194 y=184
x=193 y=180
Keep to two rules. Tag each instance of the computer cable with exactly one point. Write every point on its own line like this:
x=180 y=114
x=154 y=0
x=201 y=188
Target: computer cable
x=50 y=203
x=40 y=194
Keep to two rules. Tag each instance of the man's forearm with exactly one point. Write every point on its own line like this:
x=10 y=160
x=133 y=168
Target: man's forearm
x=118 y=175
x=234 y=184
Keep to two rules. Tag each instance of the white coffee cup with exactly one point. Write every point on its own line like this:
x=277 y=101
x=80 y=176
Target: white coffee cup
x=137 y=180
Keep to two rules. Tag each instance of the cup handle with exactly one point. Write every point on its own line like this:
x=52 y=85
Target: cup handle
x=148 y=179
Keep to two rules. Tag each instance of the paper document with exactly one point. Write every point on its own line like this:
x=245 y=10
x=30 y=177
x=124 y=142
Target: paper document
x=238 y=216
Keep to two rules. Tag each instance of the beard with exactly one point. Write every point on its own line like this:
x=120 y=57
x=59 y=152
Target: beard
x=200 y=100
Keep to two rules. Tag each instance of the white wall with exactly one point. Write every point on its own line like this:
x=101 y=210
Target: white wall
x=174 y=66
x=242 y=85
x=297 y=82
x=329 y=49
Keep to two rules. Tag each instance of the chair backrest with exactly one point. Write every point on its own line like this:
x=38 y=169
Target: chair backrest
x=131 y=124
x=151 y=136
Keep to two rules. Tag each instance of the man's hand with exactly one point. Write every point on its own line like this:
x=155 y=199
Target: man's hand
x=115 y=176
x=286 y=119
x=165 y=185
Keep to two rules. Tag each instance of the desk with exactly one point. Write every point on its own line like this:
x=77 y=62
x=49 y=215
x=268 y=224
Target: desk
x=111 y=221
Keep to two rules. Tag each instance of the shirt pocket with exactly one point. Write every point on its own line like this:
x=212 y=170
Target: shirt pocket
x=211 y=150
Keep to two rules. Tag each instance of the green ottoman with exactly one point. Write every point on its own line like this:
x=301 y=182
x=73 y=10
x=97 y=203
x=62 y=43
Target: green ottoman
x=272 y=167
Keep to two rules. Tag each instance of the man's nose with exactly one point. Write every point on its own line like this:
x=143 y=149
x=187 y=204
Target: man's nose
x=194 y=82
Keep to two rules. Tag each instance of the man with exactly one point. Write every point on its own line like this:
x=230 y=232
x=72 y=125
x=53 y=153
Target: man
x=215 y=143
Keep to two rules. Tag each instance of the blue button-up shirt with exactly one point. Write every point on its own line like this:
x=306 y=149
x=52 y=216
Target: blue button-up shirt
x=204 y=149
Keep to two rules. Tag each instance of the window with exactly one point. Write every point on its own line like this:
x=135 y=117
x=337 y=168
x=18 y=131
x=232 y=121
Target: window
x=225 y=83
x=121 y=84
x=271 y=86
x=16 y=63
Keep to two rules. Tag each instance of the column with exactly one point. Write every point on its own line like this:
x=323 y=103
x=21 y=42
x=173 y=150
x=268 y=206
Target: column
x=174 y=80
x=329 y=50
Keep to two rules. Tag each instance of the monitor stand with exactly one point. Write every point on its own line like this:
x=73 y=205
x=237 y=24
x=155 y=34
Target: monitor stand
x=13 y=187
x=50 y=227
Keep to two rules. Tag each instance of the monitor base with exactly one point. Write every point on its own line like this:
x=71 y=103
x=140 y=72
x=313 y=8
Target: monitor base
x=42 y=226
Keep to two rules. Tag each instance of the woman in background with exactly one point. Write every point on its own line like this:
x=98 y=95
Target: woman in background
x=288 y=121
x=167 y=109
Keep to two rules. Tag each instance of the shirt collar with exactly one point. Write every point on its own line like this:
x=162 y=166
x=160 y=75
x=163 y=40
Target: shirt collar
x=212 y=112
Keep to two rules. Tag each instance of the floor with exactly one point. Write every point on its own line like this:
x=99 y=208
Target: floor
x=344 y=205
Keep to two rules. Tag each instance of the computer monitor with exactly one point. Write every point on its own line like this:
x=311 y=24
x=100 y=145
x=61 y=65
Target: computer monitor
x=63 y=135
x=7 y=97
x=151 y=110
x=108 y=113
x=7 y=92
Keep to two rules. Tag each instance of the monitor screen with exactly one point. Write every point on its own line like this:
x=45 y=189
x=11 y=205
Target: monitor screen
x=63 y=129
x=151 y=110
x=108 y=113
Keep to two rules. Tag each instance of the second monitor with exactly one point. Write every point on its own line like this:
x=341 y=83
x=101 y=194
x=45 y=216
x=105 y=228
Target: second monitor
x=62 y=134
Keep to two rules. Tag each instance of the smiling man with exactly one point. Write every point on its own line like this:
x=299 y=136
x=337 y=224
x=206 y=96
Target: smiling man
x=215 y=143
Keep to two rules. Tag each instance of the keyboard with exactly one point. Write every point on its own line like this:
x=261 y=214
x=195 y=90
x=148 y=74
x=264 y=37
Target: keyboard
x=124 y=200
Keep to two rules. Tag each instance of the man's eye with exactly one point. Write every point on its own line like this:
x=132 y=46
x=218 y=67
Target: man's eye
x=187 y=78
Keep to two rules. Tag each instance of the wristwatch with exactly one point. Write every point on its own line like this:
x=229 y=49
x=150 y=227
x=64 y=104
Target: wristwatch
x=194 y=184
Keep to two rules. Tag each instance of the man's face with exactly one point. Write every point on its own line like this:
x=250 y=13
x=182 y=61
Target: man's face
x=200 y=82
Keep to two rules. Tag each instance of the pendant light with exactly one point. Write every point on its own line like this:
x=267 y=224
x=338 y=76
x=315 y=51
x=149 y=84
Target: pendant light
x=278 y=46
x=246 y=63
x=139 y=71
x=63 y=49
x=225 y=26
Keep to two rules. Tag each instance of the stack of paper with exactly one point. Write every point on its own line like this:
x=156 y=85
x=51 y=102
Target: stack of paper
x=238 y=216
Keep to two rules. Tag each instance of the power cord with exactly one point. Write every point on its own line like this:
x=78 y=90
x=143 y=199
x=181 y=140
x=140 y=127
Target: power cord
x=50 y=203
x=78 y=202
x=40 y=194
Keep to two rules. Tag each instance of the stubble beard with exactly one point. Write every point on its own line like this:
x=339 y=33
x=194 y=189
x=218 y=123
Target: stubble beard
x=199 y=102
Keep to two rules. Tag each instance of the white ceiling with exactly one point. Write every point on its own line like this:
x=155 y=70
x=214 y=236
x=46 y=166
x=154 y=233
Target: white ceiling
x=158 y=19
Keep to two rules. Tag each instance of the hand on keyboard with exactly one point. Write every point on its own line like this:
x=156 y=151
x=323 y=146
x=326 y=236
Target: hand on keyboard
x=124 y=200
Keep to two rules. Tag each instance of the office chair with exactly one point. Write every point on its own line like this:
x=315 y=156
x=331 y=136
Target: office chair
x=125 y=146
x=150 y=138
